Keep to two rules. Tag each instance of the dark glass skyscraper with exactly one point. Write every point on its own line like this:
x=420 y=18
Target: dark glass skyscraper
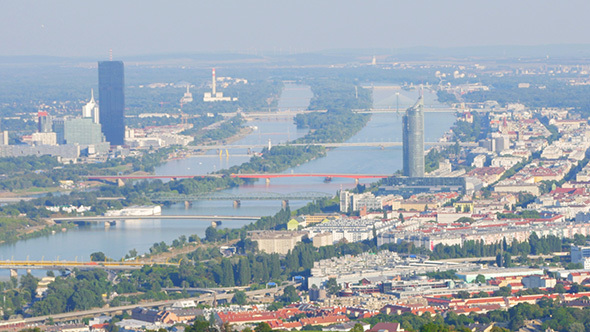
x=413 y=137
x=111 y=93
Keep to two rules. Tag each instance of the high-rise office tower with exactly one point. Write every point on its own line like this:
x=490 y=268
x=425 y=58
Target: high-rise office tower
x=44 y=122
x=413 y=139
x=111 y=96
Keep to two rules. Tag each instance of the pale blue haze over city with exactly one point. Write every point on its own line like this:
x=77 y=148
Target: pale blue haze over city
x=91 y=28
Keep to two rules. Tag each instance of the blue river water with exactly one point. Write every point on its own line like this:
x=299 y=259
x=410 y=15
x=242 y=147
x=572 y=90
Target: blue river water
x=119 y=239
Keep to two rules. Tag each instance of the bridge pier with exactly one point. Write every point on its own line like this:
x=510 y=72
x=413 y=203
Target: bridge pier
x=120 y=183
x=356 y=182
x=14 y=273
x=237 y=203
x=267 y=181
x=285 y=203
x=187 y=204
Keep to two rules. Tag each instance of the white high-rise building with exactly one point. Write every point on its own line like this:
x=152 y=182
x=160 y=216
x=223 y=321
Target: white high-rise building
x=91 y=110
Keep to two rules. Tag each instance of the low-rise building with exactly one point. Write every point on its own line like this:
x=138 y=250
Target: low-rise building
x=351 y=229
x=280 y=242
x=323 y=239
x=538 y=281
x=497 y=272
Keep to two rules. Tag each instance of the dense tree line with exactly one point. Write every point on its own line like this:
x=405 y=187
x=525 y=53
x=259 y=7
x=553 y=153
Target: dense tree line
x=555 y=94
x=434 y=156
x=278 y=159
x=534 y=246
x=472 y=132
x=226 y=130
x=81 y=291
x=9 y=165
x=45 y=172
x=331 y=126
x=445 y=97
x=338 y=95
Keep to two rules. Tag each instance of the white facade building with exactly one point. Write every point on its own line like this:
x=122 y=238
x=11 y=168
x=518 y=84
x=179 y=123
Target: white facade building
x=91 y=109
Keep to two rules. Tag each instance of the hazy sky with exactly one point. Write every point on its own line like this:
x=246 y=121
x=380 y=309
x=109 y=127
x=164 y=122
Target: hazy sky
x=91 y=28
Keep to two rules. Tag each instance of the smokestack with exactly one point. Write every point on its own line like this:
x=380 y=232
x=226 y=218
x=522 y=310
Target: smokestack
x=214 y=83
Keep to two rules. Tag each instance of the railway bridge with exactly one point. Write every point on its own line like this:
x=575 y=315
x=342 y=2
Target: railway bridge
x=238 y=198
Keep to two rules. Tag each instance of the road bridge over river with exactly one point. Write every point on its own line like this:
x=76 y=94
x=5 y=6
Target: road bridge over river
x=327 y=145
x=401 y=111
x=238 y=198
x=242 y=176
x=152 y=217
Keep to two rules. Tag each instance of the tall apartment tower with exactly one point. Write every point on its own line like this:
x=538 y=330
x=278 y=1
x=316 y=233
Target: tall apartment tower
x=111 y=97
x=43 y=122
x=413 y=140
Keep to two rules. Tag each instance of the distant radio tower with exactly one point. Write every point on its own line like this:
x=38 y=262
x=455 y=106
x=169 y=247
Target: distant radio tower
x=214 y=82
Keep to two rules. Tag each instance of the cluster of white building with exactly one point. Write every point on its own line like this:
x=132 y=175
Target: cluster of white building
x=351 y=229
x=381 y=266
x=157 y=137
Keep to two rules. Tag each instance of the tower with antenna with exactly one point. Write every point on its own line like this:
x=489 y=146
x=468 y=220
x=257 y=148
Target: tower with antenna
x=214 y=95
x=213 y=83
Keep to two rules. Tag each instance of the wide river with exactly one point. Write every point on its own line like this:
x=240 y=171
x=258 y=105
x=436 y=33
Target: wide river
x=117 y=240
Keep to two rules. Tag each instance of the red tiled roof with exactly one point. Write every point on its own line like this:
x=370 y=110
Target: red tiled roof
x=390 y=327
x=324 y=320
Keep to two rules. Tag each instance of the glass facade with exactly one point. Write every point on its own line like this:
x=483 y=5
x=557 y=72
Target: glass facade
x=413 y=140
x=111 y=84
x=82 y=131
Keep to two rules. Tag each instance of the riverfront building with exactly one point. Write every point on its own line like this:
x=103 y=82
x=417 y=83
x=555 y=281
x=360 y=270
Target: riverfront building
x=413 y=140
x=111 y=84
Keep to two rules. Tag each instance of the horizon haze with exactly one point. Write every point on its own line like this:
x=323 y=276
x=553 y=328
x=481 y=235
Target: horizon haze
x=131 y=28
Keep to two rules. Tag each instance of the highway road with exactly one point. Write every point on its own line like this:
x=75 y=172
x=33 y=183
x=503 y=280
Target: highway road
x=95 y=312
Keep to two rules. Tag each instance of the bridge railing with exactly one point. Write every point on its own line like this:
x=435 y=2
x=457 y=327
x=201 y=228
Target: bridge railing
x=233 y=197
